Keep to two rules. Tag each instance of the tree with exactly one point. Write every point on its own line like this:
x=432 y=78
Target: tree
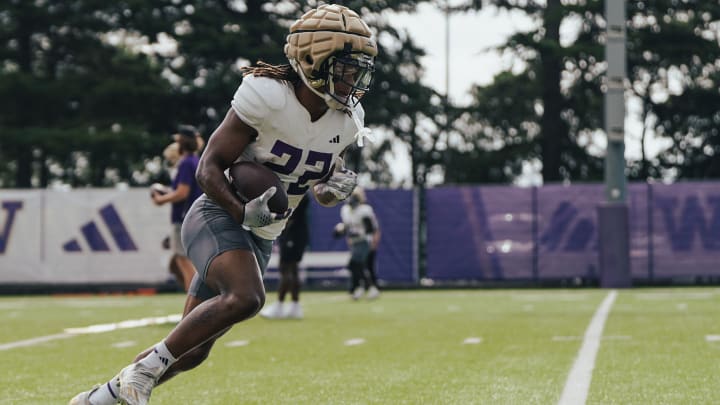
x=673 y=59
x=104 y=98
x=546 y=111
x=66 y=92
x=552 y=110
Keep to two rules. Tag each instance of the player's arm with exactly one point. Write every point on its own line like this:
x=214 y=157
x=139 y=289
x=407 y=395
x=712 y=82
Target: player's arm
x=227 y=143
x=179 y=194
x=376 y=238
x=372 y=228
x=337 y=186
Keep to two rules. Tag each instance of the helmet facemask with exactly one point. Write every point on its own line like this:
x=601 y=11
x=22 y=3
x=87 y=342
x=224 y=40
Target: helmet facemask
x=349 y=76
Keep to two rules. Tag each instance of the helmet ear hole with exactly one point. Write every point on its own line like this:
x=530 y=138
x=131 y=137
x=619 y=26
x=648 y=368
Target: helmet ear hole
x=309 y=59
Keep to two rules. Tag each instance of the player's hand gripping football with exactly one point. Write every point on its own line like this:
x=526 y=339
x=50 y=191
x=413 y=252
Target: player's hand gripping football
x=341 y=183
x=257 y=214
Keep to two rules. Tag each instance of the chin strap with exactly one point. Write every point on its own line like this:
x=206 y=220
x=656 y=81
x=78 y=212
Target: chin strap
x=363 y=132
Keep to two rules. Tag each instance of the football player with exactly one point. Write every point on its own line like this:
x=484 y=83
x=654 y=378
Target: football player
x=296 y=119
x=361 y=229
x=292 y=241
x=185 y=190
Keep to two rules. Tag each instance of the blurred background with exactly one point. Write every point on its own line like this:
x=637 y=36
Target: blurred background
x=489 y=114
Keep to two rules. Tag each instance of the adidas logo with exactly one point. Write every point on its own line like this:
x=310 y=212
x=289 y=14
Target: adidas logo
x=336 y=139
x=95 y=239
x=163 y=359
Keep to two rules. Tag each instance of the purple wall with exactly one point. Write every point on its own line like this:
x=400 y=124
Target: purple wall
x=479 y=233
x=567 y=230
x=487 y=233
x=686 y=229
x=549 y=232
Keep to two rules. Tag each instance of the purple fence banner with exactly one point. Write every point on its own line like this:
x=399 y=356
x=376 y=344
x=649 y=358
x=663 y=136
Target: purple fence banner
x=567 y=230
x=479 y=233
x=541 y=233
x=686 y=229
x=638 y=217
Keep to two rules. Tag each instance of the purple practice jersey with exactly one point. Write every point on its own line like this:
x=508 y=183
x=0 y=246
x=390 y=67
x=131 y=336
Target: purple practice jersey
x=185 y=175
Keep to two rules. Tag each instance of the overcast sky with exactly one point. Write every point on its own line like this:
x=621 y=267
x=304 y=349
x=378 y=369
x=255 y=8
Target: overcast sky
x=472 y=35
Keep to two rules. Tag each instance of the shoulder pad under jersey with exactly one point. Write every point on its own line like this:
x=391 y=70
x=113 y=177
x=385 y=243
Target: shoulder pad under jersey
x=257 y=96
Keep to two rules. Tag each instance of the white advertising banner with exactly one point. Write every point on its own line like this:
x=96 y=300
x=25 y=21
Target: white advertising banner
x=82 y=236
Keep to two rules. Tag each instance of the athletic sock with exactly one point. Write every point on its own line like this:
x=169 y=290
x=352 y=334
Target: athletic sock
x=159 y=359
x=106 y=394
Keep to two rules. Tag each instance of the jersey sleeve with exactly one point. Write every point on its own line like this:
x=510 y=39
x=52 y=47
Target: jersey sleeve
x=256 y=98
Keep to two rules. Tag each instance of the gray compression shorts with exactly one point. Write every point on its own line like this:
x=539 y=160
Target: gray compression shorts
x=176 y=246
x=209 y=230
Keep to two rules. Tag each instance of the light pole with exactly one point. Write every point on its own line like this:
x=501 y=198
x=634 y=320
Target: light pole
x=613 y=221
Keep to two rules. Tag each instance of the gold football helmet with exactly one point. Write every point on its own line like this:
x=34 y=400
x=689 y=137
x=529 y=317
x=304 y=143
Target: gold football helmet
x=333 y=51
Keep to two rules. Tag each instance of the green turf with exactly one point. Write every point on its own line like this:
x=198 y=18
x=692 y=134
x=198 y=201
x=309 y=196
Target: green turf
x=654 y=350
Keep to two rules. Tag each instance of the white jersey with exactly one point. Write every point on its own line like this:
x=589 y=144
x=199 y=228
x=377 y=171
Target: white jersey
x=297 y=149
x=354 y=221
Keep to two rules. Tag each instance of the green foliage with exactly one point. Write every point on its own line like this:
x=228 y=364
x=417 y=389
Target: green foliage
x=672 y=56
x=549 y=111
x=673 y=59
x=66 y=92
x=78 y=57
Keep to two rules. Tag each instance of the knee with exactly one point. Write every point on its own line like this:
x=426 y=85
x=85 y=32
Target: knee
x=241 y=306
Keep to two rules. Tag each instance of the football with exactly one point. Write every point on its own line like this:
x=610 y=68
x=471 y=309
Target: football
x=251 y=179
x=157 y=188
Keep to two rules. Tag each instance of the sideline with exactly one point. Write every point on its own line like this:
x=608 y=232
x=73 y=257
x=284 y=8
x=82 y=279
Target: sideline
x=577 y=385
x=99 y=328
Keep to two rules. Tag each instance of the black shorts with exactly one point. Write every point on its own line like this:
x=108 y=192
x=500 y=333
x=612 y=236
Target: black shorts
x=292 y=249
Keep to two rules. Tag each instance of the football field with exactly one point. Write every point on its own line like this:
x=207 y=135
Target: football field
x=638 y=346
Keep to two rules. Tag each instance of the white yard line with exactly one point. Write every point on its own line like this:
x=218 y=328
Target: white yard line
x=578 y=381
x=100 y=328
x=34 y=341
x=473 y=340
x=130 y=323
x=354 y=342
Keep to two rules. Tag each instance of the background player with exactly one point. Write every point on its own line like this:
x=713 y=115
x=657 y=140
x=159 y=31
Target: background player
x=185 y=190
x=292 y=243
x=360 y=227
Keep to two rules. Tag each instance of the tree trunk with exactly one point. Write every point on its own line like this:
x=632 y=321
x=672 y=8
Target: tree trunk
x=553 y=131
x=24 y=158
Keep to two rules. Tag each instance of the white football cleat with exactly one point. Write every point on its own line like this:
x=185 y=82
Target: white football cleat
x=275 y=310
x=136 y=384
x=373 y=293
x=358 y=293
x=294 y=311
x=83 y=398
x=105 y=397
